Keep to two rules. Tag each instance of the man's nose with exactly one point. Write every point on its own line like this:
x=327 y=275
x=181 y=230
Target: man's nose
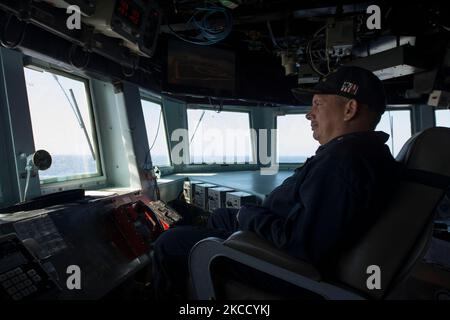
x=309 y=115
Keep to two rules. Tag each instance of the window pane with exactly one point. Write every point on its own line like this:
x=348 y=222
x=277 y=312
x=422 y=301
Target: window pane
x=443 y=118
x=156 y=133
x=62 y=125
x=295 y=141
x=396 y=123
x=219 y=137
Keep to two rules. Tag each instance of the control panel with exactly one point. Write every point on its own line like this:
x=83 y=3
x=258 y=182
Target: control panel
x=166 y=214
x=21 y=275
x=106 y=237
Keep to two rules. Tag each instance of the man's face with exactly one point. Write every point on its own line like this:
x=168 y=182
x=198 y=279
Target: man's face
x=327 y=117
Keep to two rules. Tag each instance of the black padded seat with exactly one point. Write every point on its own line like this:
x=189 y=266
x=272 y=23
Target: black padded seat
x=394 y=244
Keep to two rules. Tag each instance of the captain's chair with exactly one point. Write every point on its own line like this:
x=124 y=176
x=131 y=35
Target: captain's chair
x=394 y=244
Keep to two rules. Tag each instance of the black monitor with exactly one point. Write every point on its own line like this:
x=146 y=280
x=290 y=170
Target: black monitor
x=199 y=70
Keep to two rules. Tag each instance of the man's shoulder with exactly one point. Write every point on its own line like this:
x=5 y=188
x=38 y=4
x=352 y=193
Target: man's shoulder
x=361 y=143
x=359 y=153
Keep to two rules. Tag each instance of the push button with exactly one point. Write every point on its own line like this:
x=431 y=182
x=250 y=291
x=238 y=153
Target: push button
x=17 y=296
x=6 y=284
x=31 y=272
x=18 y=271
x=26 y=292
x=36 y=278
x=28 y=283
x=12 y=290
x=15 y=280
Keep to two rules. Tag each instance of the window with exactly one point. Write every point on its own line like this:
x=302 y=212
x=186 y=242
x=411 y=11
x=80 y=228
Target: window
x=295 y=141
x=442 y=118
x=396 y=123
x=63 y=125
x=222 y=137
x=156 y=133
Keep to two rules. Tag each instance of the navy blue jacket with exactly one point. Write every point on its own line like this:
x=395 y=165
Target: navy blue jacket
x=329 y=201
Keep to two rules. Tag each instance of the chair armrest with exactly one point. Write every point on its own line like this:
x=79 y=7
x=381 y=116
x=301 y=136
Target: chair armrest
x=251 y=244
x=256 y=253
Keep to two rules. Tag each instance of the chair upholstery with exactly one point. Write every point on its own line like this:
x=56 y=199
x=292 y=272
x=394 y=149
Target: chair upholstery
x=394 y=243
x=399 y=237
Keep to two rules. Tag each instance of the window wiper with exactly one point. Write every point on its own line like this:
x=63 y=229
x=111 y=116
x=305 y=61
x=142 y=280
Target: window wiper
x=157 y=130
x=196 y=127
x=147 y=165
x=76 y=111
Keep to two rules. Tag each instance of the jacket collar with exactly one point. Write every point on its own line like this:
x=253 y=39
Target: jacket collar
x=377 y=136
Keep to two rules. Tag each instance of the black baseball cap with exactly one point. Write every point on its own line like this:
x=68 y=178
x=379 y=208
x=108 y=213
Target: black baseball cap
x=350 y=82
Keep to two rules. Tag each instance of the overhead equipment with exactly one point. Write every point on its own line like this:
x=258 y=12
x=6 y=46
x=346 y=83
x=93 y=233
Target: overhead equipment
x=135 y=22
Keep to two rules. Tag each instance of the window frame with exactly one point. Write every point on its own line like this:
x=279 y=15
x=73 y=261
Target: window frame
x=411 y=118
x=285 y=111
x=93 y=181
x=157 y=100
x=205 y=167
x=435 y=109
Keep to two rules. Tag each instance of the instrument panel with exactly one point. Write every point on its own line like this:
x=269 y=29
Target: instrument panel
x=107 y=240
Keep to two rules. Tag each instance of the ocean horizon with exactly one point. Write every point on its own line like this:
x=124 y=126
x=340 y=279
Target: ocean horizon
x=75 y=165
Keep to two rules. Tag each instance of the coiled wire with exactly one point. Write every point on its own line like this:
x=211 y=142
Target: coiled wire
x=209 y=33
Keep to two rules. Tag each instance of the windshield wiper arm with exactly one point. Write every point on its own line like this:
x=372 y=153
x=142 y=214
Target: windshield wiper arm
x=77 y=113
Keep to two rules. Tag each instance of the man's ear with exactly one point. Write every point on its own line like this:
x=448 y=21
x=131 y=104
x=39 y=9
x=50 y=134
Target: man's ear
x=351 y=109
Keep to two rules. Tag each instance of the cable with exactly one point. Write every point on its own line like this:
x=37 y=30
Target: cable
x=272 y=36
x=208 y=33
x=309 y=52
x=319 y=30
x=327 y=56
x=311 y=62
x=26 y=184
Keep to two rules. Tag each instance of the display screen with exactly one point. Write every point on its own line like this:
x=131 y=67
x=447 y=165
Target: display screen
x=198 y=69
x=130 y=12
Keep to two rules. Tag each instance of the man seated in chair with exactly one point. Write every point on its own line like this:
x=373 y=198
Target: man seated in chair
x=327 y=203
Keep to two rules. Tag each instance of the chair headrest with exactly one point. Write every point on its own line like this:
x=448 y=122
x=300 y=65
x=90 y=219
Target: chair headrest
x=428 y=151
